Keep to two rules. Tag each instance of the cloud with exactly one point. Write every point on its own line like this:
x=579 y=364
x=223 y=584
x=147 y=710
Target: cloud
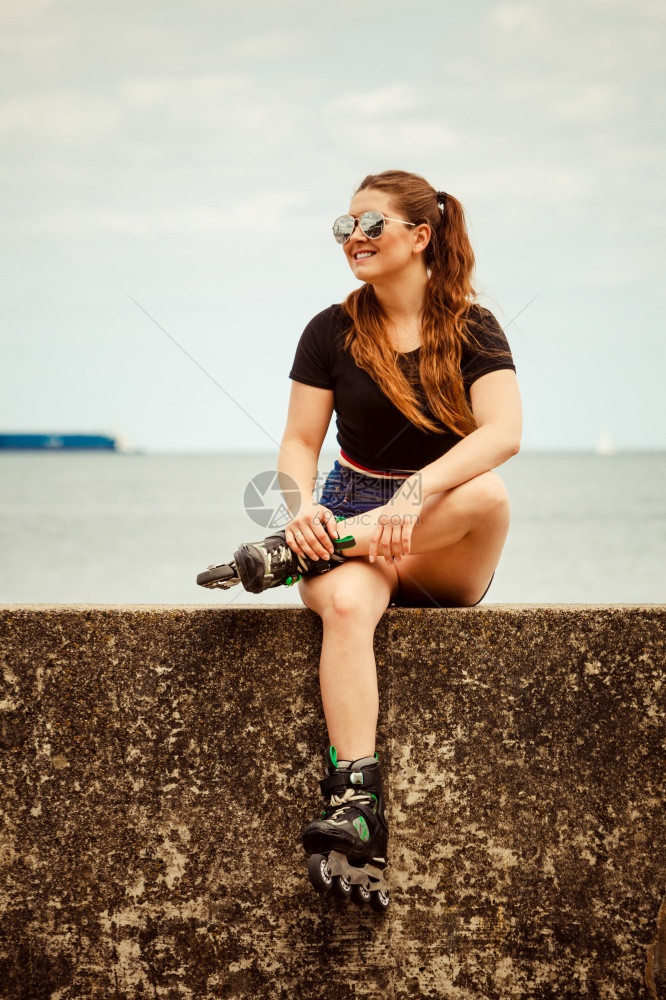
x=519 y=185
x=71 y=120
x=32 y=45
x=386 y=101
x=524 y=109
x=268 y=213
x=202 y=152
x=525 y=18
x=270 y=45
x=76 y=118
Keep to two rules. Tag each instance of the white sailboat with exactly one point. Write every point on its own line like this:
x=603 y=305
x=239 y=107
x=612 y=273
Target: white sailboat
x=604 y=445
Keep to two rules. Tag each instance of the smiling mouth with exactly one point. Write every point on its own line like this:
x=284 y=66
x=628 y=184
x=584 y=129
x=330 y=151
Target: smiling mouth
x=364 y=255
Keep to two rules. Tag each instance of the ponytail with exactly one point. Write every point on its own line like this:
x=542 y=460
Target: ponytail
x=445 y=329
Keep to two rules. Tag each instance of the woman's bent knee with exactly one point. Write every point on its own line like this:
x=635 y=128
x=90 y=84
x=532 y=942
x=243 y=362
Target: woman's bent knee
x=347 y=596
x=346 y=604
x=486 y=493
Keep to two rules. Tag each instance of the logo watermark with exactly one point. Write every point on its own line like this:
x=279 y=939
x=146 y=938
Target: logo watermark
x=272 y=499
x=268 y=498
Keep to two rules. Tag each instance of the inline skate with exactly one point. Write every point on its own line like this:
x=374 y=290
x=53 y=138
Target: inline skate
x=258 y=566
x=347 y=845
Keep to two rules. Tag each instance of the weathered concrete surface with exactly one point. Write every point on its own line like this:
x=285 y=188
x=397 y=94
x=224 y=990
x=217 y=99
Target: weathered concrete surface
x=158 y=764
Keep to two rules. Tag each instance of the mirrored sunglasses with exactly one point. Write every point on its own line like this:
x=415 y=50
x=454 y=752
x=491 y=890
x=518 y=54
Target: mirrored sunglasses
x=370 y=223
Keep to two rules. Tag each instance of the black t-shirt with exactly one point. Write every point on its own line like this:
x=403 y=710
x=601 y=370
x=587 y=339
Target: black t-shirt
x=371 y=430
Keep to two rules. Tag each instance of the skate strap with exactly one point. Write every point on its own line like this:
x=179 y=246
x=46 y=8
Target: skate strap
x=341 y=780
x=344 y=543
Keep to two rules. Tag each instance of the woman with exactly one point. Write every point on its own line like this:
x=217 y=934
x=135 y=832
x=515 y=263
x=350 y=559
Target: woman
x=427 y=405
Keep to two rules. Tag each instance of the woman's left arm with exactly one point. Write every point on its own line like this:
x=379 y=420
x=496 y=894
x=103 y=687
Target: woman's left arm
x=498 y=413
x=496 y=407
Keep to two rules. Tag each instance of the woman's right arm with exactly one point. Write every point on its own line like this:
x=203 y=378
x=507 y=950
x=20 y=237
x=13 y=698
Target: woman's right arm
x=308 y=417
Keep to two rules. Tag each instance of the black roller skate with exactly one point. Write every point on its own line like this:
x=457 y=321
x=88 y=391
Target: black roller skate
x=347 y=846
x=271 y=563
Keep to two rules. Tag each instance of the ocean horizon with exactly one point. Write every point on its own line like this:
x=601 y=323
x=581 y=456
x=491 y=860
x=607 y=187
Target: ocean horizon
x=137 y=526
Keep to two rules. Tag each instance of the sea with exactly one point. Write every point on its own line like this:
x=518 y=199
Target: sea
x=113 y=528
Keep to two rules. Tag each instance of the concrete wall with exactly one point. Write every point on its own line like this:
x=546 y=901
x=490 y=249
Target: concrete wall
x=157 y=766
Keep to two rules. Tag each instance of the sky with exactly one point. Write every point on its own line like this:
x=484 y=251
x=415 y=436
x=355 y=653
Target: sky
x=169 y=174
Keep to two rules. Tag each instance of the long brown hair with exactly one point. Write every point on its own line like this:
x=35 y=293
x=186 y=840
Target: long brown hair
x=446 y=323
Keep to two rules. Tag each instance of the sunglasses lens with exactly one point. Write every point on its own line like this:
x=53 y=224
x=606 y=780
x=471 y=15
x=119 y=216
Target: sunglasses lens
x=343 y=227
x=372 y=224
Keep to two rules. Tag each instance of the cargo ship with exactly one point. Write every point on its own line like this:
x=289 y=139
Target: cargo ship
x=58 y=442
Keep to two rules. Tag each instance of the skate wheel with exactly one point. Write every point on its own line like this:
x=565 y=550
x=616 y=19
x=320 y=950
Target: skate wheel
x=379 y=900
x=319 y=873
x=360 y=895
x=342 y=887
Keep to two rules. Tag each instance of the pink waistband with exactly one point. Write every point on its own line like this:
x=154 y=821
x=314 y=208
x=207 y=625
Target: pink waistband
x=377 y=473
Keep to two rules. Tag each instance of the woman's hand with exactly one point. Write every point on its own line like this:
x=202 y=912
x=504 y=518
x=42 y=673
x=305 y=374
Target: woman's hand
x=311 y=531
x=392 y=535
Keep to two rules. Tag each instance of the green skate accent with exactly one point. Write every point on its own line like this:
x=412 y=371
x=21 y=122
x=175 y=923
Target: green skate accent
x=333 y=756
x=344 y=543
x=361 y=827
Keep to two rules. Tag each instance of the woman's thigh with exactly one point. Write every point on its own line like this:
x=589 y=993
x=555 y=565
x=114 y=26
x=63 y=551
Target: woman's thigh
x=458 y=575
x=357 y=591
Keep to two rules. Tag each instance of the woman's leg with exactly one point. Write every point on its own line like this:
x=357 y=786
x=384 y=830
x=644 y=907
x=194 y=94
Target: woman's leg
x=455 y=550
x=455 y=547
x=350 y=601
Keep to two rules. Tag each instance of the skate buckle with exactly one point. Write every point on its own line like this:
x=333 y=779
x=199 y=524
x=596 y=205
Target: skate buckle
x=356 y=778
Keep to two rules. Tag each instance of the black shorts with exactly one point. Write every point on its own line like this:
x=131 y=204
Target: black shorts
x=347 y=493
